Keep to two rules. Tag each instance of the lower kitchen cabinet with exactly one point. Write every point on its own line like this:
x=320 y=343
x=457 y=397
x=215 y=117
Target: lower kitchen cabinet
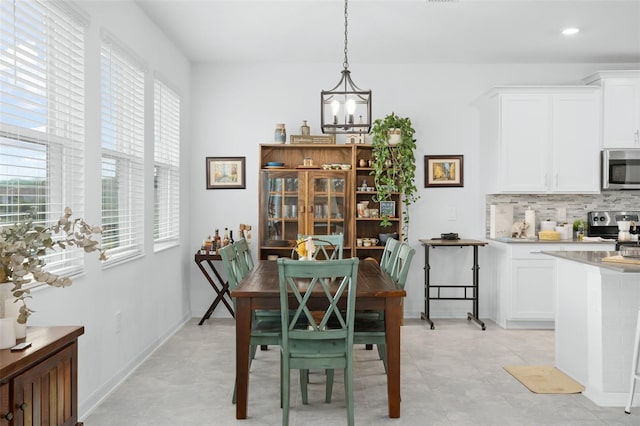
x=38 y=386
x=532 y=296
x=525 y=281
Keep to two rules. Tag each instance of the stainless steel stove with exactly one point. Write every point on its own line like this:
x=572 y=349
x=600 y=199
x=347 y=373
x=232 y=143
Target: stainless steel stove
x=604 y=224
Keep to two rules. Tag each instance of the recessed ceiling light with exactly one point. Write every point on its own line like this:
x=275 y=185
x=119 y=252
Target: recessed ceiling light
x=571 y=31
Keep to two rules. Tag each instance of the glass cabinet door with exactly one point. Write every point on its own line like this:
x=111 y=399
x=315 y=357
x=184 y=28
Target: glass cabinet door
x=279 y=204
x=327 y=204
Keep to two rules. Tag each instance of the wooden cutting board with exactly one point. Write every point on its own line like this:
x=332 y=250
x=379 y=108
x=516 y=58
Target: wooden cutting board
x=619 y=259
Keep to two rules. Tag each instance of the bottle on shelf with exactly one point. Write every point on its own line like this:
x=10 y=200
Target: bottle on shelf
x=208 y=245
x=225 y=239
x=305 y=130
x=280 y=135
x=216 y=240
x=203 y=247
x=231 y=236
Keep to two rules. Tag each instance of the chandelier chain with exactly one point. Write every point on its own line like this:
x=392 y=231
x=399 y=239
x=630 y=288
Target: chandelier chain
x=345 y=64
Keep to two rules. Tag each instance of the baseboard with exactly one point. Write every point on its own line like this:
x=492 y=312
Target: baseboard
x=611 y=399
x=86 y=407
x=530 y=324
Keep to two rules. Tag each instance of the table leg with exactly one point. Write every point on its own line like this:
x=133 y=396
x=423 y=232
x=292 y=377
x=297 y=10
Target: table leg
x=476 y=275
x=393 y=320
x=243 y=332
x=427 y=269
x=224 y=289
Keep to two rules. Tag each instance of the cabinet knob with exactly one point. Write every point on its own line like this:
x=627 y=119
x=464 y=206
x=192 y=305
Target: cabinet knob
x=23 y=406
x=8 y=417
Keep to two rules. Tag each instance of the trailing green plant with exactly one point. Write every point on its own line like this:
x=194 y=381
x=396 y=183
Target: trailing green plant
x=394 y=166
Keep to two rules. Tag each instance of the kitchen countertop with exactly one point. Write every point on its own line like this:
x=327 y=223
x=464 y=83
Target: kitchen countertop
x=594 y=258
x=536 y=241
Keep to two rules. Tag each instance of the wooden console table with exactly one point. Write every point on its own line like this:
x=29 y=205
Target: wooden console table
x=221 y=289
x=39 y=385
x=474 y=286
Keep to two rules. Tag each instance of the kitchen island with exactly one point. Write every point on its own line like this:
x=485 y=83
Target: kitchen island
x=596 y=309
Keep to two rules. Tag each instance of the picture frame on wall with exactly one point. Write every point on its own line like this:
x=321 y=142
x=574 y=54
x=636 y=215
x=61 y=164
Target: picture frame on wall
x=226 y=173
x=442 y=171
x=388 y=208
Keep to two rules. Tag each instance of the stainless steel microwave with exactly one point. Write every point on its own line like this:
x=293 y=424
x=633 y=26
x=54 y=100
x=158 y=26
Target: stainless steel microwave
x=621 y=169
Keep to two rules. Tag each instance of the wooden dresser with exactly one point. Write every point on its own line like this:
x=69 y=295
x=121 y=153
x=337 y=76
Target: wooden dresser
x=39 y=385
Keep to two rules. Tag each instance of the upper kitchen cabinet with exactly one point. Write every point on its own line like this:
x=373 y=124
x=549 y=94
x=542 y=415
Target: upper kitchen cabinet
x=542 y=139
x=620 y=107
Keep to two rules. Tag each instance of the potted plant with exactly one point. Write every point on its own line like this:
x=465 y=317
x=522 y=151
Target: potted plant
x=23 y=244
x=394 y=164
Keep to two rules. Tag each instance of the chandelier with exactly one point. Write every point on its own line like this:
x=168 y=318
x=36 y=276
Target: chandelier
x=346 y=108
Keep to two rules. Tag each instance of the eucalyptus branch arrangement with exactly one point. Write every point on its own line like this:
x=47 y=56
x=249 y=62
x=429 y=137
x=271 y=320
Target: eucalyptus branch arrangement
x=394 y=166
x=23 y=245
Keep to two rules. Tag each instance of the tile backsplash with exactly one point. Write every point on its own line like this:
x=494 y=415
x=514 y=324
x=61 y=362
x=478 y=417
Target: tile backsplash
x=577 y=205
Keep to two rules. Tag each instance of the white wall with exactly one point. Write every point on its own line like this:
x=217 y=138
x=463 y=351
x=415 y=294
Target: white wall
x=151 y=293
x=236 y=107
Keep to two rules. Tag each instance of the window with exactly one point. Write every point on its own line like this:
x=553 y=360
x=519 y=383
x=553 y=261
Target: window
x=122 y=110
x=166 y=171
x=42 y=116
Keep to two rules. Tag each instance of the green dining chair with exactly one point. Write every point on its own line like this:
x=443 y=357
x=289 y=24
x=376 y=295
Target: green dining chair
x=264 y=330
x=387 y=263
x=331 y=246
x=370 y=330
x=318 y=346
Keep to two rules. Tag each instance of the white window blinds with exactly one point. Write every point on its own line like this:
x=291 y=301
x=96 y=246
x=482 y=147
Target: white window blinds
x=42 y=116
x=122 y=112
x=166 y=226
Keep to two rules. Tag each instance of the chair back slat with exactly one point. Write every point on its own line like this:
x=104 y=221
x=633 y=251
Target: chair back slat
x=232 y=265
x=389 y=255
x=242 y=247
x=402 y=265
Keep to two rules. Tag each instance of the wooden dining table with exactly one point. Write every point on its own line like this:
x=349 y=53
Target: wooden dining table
x=376 y=290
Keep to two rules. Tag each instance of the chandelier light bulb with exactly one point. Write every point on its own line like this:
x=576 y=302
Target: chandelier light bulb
x=335 y=109
x=351 y=109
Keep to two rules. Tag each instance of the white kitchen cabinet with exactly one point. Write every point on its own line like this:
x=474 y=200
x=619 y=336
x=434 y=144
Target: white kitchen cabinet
x=525 y=281
x=543 y=140
x=620 y=107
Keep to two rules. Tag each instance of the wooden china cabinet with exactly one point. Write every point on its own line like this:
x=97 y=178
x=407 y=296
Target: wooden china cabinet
x=298 y=198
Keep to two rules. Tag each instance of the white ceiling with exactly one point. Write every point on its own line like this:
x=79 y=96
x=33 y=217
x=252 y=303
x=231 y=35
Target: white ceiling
x=401 y=31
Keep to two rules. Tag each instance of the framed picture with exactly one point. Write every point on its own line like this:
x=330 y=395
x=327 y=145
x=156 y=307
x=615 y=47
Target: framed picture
x=226 y=173
x=388 y=208
x=443 y=170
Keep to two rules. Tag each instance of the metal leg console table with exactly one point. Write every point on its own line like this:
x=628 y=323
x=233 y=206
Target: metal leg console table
x=221 y=290
x=473 y=287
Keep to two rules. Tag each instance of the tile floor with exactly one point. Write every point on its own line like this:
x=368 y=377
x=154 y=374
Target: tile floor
x=452 y=375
